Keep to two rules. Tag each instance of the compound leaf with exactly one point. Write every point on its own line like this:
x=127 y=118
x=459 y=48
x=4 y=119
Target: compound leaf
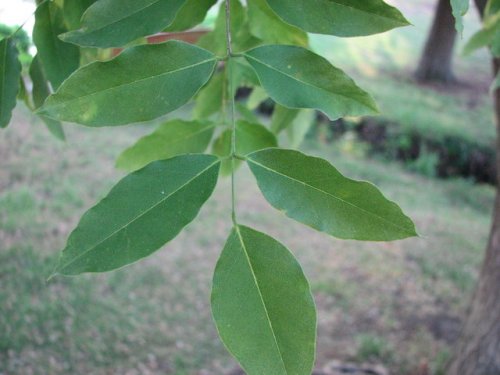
x=262 y=305
x=298 y=78
x=141 y=84
x=10 y=75
x=344 y=18
x=311 y=191
x=172 y=138
x=145 y=210
x=114 y=23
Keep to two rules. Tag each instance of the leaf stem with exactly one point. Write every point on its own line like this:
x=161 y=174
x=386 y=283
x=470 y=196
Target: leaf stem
x=233 y=120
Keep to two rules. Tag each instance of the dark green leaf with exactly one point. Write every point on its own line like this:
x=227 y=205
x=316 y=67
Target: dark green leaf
x=339 y=17
x=266 y=25
x=10 y=74
x=298 y=78
x=209 y=99
x=73 y=11
x=173 y=138
x=263 y=307
x=145 y=210
x=114 y=23
x=59 y=59
x=249 y=138
x=312 y=191
x=191 y=14
x=141 y=84
x=40 y=92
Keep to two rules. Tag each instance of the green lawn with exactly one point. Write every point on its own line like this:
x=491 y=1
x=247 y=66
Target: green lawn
x=383 y=302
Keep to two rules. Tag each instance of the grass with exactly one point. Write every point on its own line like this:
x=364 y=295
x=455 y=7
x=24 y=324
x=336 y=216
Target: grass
x=154 y=315
x=381 y=302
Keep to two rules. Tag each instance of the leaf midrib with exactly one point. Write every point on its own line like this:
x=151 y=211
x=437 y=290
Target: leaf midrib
x=66 y=102
x=309 y=84
x=138 y=216
x=405 y=230
x=260 y=295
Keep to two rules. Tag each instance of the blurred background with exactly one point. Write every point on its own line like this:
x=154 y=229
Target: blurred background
x=398 y=305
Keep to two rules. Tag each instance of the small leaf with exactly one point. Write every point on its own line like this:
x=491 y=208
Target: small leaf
x=313 y=192
x=191 y=14
x=282 y=118
x=298 y=78
x=73 y=11
x=300 y=126
x=145 y=210
x=267 y=26
x=339 y=17
x=460 y=9
x=209 y=99
x=249 y=138
x=173 y=138
x=482 y=38
x=59 y=59
x=257 y=96
x=141 y=84
x=246 y=114
x=263 y=307
x=10 y=75
x=114 y=23
x=40 y=92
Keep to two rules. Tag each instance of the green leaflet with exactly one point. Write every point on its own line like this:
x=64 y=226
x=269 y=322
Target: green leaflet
x=172 y=138
x=59 y=59
x=73 y=11
x=10 y=75
x=300 y=126
x=257 y=96
x=282 y=118
x=298 y=78
x=249 y=138
x=145 y=210
x=209 y=99
x=262 y=306
x=344 y=18
x=266 y=25
x=312 y=191
x=114 y=23
x=191 y=14
x=242 y=39
x=141 y=84
x=40 y=92
x=460 y=9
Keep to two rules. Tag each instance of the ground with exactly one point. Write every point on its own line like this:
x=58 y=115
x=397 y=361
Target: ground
x=399 y=304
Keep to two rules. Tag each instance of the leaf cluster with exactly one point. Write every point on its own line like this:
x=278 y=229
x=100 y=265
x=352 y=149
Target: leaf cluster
x=261 y=300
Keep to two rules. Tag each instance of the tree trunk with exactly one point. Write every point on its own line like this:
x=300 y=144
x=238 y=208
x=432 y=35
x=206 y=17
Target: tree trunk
x=478 y=349
x=436 y=61
x=480 y=5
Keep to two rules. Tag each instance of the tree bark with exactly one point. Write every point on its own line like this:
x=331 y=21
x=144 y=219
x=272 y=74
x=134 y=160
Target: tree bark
x=436 y=60
x=478 y=349
x=480 y=5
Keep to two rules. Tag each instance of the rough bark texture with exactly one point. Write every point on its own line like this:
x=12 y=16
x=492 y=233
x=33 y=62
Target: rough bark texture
x=436 y=61
x=478 y=349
